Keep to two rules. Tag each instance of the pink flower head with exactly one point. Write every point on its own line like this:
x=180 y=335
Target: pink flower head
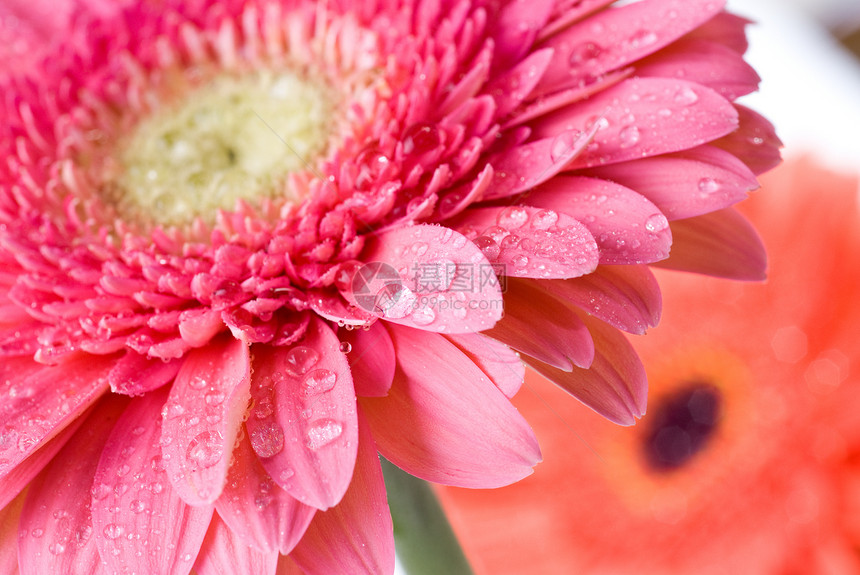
x=221 y=223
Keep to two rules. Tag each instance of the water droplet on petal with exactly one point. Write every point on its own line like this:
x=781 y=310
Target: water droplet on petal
x=424 y=315
x=708 y=185
x=345 y=347
x=656 y=223
x=564 y=144
x=629 y=136
x=319 y=381
x=488 y=247
x=323 y=433
x=585 y=54
x=686 y=96
x=642 y=38
x=301 y=359
x=198 y=382
x=267 y=439
x=113 y=531
x=214 y=398
x=138 y=506
x=544 y=219
x=520 y=261
x=512 y=217
x=206 y=449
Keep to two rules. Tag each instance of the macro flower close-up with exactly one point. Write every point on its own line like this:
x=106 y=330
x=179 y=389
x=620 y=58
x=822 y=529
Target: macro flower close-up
x=248 y=246
x=747 y=461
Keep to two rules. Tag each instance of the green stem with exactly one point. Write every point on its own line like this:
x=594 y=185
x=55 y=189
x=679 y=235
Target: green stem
x=426 y=544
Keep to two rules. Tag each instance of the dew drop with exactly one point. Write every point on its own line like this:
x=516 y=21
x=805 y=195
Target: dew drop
x=544 y=219
x=99 y=491
x=323 y=433
x=206 y=449
x=686 y=96
x=418 y=249
x=424 y=315
x=37 y=533
x=214 y=398
x=629 y=136
x=564 y=144
x=57 y=548
x=421 y=139
x=113 y=531
x=267 y=439
x=319 y=381
x=656 y=223
x=301 y=359
x=585 y=54
x=138 y=506
x=198 y=382
x=512 y=217
x=345 y=347
x=708 y=185
x=520 y=261
x=642 y=38
x=488 y=247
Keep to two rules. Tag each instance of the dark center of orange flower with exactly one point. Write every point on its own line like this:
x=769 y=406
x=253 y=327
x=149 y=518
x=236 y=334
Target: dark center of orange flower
x=682 y=425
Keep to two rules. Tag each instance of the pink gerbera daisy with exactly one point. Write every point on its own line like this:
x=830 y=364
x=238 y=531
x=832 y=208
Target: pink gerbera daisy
x=221 y=222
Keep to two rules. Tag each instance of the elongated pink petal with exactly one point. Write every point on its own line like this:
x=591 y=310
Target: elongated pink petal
x=755 y=141
x=357 y=535
x=462 y=430
x=286 y=566
x=303 y=426
x=614 y=386
x=261 y=514
x=37 y=408
x=135 y=374
x=530 y=242
x=56 y=523
x=625 y=297
x=135 y=509
x=517 y=27
x=222 y=553
x=567 y=13
x=9 y=517
x=428 y=277
x=617 y=37
x=20 y=476
x=628 y=228
x=643 y=117
x=371 y=360
x=708 y=63
x=513 y=87
x=722 y=244
x=202 y=417
x=550 y=331
x=499 y=362
x=686 y=184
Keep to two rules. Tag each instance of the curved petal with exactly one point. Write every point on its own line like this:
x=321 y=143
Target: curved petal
x=135 y=509
x=617 y=37
x=371 y=360
x=58 y=502
x=303 y=426
x=723 y=244
x=686 y=184
x=643 y=117
x=9 y=517
x=357 y=535
x=261 y=514
x=614 y=386
x=755 y=141
x=136 y=374
x=428 y=277
x=529 y=242
x=628 y=228
x=223 y=554
x=499 y=362
x=540 y=325
x=625 y=297
x=462 y=430
x=202 y=417
x=35 y=408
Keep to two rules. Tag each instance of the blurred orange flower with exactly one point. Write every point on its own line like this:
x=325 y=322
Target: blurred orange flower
x=748 y=460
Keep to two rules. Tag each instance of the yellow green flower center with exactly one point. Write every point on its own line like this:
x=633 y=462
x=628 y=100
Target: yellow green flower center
x=233 y=138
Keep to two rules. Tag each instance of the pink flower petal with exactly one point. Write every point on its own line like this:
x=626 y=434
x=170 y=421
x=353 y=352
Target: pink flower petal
x=628 y=228
x=510 y=89
x=722 y=244
x=708 y=63
x=357 y=535
x=9 y=517
x=614 y=386
x=135 y=509
x=499 y=362
x=333 y=308
x=756 y=141
x=428 y=277
x=517 y=27
x=36 y=408
x=303 y=426
x=642 y=117
x=222 y=553
x=685 y=184
x=371 y=359
x=726 y=29
x=202 y=417
x=56 y=523
x=286 y=566
x=445 y=421
x=523 y=167
x=617 y=37
x=567 y=13
x=136 y=374
x=261 y=514
x=625 y=297
x=530 y=242
x=542 y=326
